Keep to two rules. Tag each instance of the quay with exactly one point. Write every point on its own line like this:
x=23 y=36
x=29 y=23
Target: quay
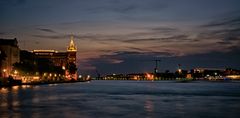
x=9 y=82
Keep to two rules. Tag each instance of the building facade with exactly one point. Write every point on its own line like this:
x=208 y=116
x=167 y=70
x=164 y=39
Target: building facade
x=61 y=59
x=57 y=58
x=10 y=54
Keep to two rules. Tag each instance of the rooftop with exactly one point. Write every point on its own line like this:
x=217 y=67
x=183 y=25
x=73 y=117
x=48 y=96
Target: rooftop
x=11 y=42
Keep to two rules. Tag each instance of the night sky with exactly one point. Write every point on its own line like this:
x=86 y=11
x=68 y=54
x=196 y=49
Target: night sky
x=125 y=36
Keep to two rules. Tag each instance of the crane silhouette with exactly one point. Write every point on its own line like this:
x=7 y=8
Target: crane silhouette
x=98 y=75
x=156 y=69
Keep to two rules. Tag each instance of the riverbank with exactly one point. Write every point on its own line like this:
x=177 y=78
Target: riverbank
x=12 y=82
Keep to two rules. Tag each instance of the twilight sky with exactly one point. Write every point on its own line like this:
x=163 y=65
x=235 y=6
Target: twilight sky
x=125 y=36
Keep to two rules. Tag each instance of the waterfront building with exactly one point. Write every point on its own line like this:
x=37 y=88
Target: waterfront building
x=10 y=54
x=208 y=71
x=56 y=57
x=60 y=59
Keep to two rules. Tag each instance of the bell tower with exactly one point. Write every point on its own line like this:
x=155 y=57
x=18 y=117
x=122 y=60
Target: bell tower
x=71 y=60
x=71 y=51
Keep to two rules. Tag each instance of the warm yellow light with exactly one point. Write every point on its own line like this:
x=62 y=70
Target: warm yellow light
x=135 y=78
x=150 y=76
x=15 y=72
x=24 y=80
x=72 y=47
x=63 y=67
x=180 y=70
x=3 y=90
x=233 y=76
x=24 y=86
x=43 y=50
x=15 y=87
x=36 y=78
x=4 y=70
x=189 y=76
x=88 y=77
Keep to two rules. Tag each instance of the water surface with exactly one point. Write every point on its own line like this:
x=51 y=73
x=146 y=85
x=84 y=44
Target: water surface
x=107 y=99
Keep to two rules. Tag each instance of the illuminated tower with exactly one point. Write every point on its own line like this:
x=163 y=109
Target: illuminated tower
x=71 y=60
x=71 y=51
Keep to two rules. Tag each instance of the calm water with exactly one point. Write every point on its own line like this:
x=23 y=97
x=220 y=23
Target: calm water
x=131 y=99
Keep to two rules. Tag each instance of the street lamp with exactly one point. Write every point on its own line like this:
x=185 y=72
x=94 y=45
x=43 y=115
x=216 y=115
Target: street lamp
x=80 y=76
x=179 y=70
x=63 y=67
x=4 y=72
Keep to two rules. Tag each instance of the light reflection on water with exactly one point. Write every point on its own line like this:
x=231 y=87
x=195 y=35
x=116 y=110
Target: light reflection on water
x=122 y=99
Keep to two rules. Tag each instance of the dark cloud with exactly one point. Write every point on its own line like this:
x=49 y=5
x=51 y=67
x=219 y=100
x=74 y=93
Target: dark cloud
x=224 y=43
x=128 y=62
x=164 y=29
x=64 y=36
x=118 y=38
x=196 y=40
x=126 y=8
x=155 y=32
x=232 y=38
x=232 y=21
x=236 y=30
x=37 y=42
x=51 y=36
x=234 y=47
x=169 y=39
x=142 y=40
x=46 y=30
x=121 y=56
x=2 y=33
x=137 y=49
x=226 y=31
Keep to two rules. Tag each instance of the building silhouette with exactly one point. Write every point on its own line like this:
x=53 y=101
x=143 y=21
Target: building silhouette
x=10 y=54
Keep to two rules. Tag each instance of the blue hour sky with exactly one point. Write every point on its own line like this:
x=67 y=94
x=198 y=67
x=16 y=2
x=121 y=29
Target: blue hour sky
x=124 y=36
